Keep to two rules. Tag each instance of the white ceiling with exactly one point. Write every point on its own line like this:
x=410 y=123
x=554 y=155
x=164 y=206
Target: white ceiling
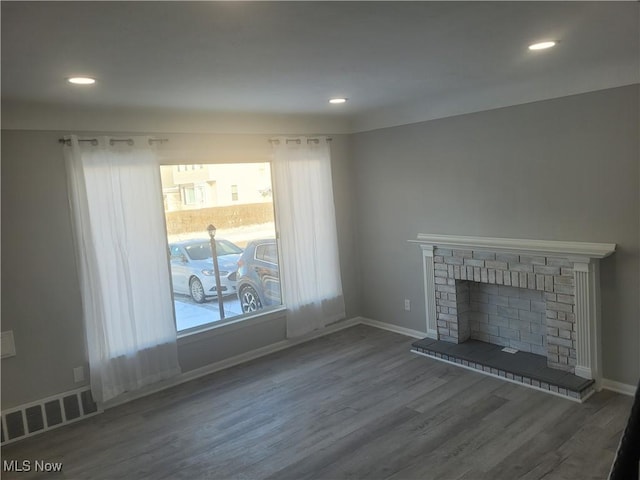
x=397 y=62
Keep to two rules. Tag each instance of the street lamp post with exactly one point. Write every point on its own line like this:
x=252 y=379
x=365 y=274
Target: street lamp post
x=216 y=270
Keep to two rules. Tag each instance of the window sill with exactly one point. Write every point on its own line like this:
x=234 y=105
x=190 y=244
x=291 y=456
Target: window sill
x=198 y=334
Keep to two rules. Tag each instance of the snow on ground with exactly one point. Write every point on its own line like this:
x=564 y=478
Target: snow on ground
x=190 y=314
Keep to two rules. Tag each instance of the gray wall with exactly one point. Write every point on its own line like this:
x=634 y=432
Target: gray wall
x=40 y=289
x=564 y=169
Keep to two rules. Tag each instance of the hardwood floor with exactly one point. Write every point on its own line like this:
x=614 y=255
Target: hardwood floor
x=354 y=404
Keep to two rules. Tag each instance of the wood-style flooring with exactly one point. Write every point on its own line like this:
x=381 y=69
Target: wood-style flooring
x=354 y=404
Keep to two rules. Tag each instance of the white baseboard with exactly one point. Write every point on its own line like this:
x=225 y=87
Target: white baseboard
x=267 y=350
x=618 y=387
x=393 y=328
x=231 y=362
x=276 y=347
x=261 y=352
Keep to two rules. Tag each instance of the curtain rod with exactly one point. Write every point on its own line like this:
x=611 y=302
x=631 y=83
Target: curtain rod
x=298 y=141
x=94 y=141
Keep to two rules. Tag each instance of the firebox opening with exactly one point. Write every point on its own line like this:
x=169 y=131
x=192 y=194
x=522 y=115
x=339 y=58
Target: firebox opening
x=506 y=316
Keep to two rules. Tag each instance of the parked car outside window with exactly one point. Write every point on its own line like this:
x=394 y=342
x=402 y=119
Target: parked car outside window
x=192 y=268
x=259 y=276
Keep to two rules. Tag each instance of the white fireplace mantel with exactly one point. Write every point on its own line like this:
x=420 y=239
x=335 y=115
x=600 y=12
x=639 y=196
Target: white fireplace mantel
x=585 y=258
x=518 y=245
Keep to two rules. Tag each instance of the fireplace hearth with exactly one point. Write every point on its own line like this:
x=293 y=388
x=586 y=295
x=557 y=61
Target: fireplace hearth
x=520 y=367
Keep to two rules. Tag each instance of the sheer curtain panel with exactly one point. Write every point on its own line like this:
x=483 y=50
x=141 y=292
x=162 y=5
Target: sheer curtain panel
x=305 y=214
x=115 y=195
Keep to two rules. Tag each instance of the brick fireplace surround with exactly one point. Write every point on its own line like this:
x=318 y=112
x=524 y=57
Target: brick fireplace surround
x=537 y=296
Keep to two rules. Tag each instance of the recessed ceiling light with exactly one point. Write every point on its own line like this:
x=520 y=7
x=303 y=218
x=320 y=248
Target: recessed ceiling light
x=81 y=80
x=336 y=101
x=541 y=45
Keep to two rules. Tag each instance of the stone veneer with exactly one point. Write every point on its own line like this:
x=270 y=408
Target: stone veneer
x=552 y=276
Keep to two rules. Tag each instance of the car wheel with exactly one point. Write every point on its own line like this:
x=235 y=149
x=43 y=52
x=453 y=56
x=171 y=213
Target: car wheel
x=197 y=290
x=249 y=300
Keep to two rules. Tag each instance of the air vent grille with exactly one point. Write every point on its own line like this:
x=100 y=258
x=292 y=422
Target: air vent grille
x=52 y=412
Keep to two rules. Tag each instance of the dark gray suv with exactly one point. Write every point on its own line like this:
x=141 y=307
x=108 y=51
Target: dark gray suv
x=259 y=276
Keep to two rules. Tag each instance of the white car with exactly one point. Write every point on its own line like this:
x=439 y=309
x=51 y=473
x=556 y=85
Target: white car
x=192 y=268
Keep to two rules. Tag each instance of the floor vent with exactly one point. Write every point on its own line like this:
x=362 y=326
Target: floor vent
x=52 y=412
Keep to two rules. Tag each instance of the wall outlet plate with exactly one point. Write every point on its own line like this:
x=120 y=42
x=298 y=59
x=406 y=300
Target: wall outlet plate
x=7 y=344
x=78 y=374
x=407 y=304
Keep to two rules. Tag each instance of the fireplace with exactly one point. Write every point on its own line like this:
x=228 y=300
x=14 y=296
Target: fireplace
x=534 y=296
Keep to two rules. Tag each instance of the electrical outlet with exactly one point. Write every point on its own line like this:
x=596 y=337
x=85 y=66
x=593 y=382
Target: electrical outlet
x=407 y=304
x=78 y=374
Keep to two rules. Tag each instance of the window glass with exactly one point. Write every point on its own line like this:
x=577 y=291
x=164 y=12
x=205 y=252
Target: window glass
x=267 y=253
x=199 y=251
x=197 y=195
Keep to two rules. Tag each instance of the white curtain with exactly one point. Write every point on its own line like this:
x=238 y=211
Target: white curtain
x=115 y=195
x=305 y=214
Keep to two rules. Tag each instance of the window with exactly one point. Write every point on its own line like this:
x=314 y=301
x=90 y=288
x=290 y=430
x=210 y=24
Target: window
x=193 y=195
x=186 y=168
x=267 y=253
x=245 y=243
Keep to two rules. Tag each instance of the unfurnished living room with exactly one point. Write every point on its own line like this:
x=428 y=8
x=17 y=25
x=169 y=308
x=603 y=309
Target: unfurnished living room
x=324 y=240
